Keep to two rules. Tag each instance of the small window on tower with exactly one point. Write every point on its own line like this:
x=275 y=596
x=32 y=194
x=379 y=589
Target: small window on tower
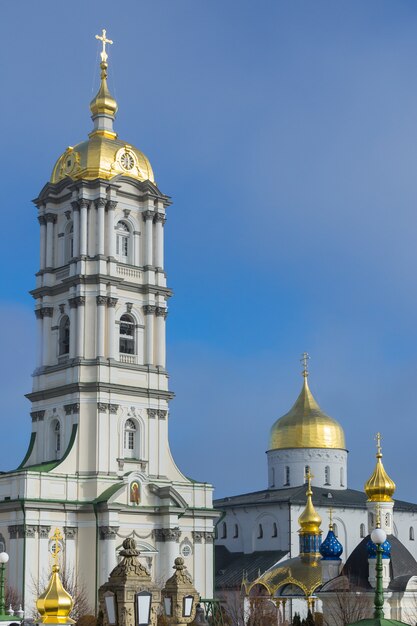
x=64 y=335
x=236 y=533
x=274 y=530
x=362 y=531
x=327 y=475
x=57 y=437
x=122 y=242
x=411 y=533
x=287 y=476
x=224 y=531
x=260 y=531
x=127 y=335
x=342 y=477
x=130 y=443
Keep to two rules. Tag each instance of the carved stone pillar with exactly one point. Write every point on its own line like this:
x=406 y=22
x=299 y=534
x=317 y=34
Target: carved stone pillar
x=76 y=228
x=148 y=217
x=73 y=326
x=101 y=302
x=149 y=311
x=80 y=325
x=46 y=313
x=161 y=314
x=111 y=234
x=83 y=226
x=50 y=221
x=100 y=204
x=111 y=328
x=42 y=259
x=159 y=240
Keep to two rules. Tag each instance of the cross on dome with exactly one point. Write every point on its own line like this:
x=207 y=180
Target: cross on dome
x=304 y=360
x=104 y=40
x=330 y=512
x=56 y=546
x=378 y=438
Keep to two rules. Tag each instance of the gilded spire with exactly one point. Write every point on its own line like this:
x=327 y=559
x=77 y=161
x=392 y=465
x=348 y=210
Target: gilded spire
x=55 y=604
x=103 y=103
x=309 y=519
x=304 y=360
x=380 y=487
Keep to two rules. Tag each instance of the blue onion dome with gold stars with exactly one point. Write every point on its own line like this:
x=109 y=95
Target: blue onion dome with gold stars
x=386 y=549
x=103 y=155
x=331 y=549
x=306 y=425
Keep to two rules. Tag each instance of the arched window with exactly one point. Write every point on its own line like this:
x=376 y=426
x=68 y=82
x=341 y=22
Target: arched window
x=335 y=530
x=362 y=531
x=342 y=477
x=130 y=433
x=236 y=533
x=57 y=436
x=260 y=531
x=69 y=242
x=273 y=477
x=123 y=242
x=411 y=533
x=287 y=476
x=387 y=519
x=127 y=335
x=2 y=544
x=64 y=335
x=274 y=530
x=327 y=475
x=224 y=531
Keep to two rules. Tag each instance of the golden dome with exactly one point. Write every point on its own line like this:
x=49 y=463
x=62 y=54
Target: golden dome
x=102 y=155
x=309 y=519
x=379 y=487
x=55 y=604
x=306 y=426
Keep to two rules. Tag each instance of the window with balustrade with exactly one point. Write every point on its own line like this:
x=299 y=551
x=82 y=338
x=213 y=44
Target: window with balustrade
x=130 y=439
x=123 y=242
x=127 y=334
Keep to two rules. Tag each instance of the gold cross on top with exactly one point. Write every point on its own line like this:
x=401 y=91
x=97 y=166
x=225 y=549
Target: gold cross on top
x=330 y=511
x=56 y=546
x=378 y=438
x=304 y=360
x=104 y=40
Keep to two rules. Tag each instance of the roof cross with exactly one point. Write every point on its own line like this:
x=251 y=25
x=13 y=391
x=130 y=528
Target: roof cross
x=378 y=438
x=330 y=511
x=56 y=546
x=104 y=40
x=304 y=360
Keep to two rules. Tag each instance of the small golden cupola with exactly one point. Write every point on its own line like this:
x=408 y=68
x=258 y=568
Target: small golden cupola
x=55 y=604
x=379 y=487
x=103 y=155
x=309 y=519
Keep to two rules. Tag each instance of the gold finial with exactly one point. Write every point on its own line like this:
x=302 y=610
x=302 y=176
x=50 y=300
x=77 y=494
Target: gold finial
x=380 y=487
x=55 y=604
x=309 y=519
x=304 y=360
x=330 y=511
x=104 y=40
x=309 y=478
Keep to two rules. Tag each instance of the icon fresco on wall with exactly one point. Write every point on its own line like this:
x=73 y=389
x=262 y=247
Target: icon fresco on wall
x=134 y=492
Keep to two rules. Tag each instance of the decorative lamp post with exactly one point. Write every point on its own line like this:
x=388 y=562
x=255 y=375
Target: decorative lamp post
x=4 y=558
x=378 y=537
x=179 y=596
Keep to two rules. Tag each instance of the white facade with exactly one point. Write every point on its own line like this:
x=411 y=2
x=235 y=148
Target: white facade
x=99 y=466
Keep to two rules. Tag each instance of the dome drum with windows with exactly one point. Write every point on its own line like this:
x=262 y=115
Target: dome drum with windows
x=103 y=155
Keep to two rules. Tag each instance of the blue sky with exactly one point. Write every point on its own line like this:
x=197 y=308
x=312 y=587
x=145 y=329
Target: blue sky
x=286 y=133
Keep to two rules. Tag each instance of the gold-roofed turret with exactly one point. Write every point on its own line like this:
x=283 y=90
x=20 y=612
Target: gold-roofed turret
x=306 y=425
x=55 y=604
x=103 y=155
x=309 y=519
x=379 y=487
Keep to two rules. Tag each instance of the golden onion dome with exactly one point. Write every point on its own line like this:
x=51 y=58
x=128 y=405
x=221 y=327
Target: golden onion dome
x=103 y=155
x=55 y=604
x=309 y=519
x=379 y=487
x=306 y=426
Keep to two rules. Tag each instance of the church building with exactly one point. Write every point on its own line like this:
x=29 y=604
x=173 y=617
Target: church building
x=270 y=542
x=98 y=465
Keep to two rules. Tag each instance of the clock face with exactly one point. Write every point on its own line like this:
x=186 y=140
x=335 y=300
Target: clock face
x=127 y=161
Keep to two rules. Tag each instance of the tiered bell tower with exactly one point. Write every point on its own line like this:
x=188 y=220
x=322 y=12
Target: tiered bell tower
x=98 y=465
x=100 y=393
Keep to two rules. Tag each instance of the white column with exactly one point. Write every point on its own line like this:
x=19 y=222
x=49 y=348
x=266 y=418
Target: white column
x=73 y=326
x=70 y=552
x=83 y=226
x=136 y=249
x=50 y=221
x=101 y=303
x=80 y=326
x=42 y=259
x=149 y=333
x=107 y=548
x=76 y=228
x=39 y=330
x=159 y=240
x=111 y=326
x=161 y=314
x=148 y=217
x=111 y=235
x=100 y=204
x=46 y=313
